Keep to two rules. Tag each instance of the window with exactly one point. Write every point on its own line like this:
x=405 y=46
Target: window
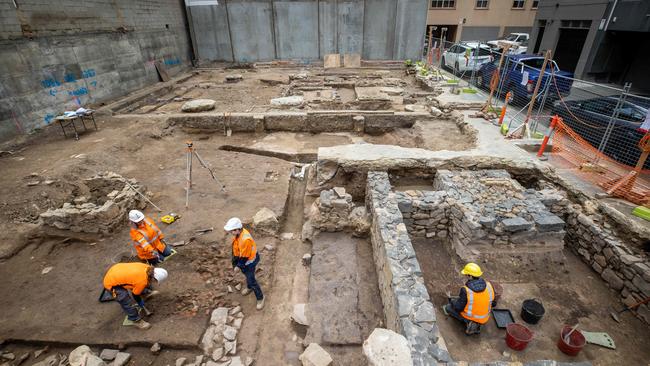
x=482 y=4
x=518 y=4
x=535 y=4
x=443 y=4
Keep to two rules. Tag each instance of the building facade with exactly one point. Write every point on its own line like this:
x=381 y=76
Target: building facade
x=484 y=20
x=601 y=40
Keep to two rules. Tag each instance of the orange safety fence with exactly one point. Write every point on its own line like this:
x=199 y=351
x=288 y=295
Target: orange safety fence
x=572 y=151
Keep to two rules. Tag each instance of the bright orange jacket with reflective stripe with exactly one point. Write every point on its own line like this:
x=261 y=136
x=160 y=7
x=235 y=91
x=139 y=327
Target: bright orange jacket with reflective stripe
x=243 y=246
x=132 y=276
x=146 y=239
x=479 y=304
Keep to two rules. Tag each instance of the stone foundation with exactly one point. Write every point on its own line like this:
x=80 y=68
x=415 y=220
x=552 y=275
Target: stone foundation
x=102 y=209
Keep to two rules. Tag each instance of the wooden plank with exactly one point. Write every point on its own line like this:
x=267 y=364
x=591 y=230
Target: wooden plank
x=162 y=72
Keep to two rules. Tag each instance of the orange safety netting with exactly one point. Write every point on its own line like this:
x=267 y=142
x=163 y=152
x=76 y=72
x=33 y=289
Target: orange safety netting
x=572 y=151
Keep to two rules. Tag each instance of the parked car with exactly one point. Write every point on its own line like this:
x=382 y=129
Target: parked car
x=511 y=39
x=589 y=119
x=466 y=56
x=520 y=75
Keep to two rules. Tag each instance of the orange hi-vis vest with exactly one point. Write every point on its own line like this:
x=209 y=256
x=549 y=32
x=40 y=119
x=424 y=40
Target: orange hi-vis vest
x=244 y=246
x=479 y=304
x=131 y=276
x=147 y=239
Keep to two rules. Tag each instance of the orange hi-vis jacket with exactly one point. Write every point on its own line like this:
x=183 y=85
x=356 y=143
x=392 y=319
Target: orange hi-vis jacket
x=131 y=276
x=479 y=304
x=147 y=239
x=244 y=247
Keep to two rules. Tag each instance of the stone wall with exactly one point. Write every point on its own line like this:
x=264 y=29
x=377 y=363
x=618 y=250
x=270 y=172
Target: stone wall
x=425 y=213
x=406 y=302
x=57 y=56
x=334 y=211
x=103 y=208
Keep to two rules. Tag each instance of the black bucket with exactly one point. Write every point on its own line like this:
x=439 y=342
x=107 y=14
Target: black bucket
x=532 y=311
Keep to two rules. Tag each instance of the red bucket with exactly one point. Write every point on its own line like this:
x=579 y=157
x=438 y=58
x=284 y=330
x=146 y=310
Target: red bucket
x=518 y=336
x=574 y=343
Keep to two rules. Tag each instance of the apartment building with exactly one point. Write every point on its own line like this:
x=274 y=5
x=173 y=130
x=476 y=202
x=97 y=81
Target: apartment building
x=464 y=20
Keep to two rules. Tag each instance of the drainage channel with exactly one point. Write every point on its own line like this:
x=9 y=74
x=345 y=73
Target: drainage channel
x=302 y=158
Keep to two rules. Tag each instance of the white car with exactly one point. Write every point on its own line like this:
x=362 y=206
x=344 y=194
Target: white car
x=466 y=56
x=513 y=39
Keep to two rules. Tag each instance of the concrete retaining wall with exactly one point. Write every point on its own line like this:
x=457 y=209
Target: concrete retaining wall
x=262 y=30
x=65 y=54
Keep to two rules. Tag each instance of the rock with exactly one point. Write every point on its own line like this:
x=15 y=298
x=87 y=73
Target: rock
x=229 y=288
x=299 y=314
x=273 y=80
x=198 y=360
x=219 y=316
x=108 y=354
x=415 y=108
x=286 y=236
x=359 y=220
x=248 y=361
x=234 y=78
x=234 y=310
x=436 y=112
x=218 y=353
x=52 y=360
x=614 y=281
x=206 y=342
x=198 y=105
x=238 y=287
x=121 y=359
x=79 y=355
x=237 y=323
x=516 y=224
x=8 y=356
x=392 y=90
x=265 y=222
x=236 y=361
x=387 y=348
x=230 y=347
x=230 y=333
x=33 y=183
x=269 y=247
x=306 y=259
x=548 y=223
x=21 y=359
x=180 y=361
x=37 y=353
x=340 y=191
x=294 y=100
x=155 y=349
x=315 y=355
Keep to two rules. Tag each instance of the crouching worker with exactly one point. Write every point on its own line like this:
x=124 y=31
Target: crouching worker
x=245 y=258
x=148 y=239
x=474 y=302
x=130 y=283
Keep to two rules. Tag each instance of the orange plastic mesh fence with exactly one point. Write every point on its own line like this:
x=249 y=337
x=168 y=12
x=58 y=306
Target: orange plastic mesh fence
x=597 y=168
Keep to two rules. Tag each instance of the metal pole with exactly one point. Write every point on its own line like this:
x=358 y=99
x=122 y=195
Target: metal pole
x=541 y=106
x=612 y=118
x=188 y=165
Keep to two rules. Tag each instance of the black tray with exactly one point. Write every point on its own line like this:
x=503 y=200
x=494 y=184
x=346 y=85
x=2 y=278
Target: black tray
x=502 y=317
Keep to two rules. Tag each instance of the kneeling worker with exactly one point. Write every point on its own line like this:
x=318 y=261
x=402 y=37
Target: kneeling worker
x=148 y=239
x=245 y=258
x=129 y=282
x=474 y=302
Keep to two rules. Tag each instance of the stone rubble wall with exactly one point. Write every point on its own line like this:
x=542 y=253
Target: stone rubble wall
x=87 y=216
x=407 y=306
x=334 y=211
x=425 y=213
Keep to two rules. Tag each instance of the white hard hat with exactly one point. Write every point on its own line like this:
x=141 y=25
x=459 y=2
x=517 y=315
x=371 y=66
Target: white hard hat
x=160 y=274
x=233 y=224
x=136 y=216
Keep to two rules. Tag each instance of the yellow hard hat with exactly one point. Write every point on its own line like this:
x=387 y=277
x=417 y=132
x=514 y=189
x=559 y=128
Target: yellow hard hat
x=472 y=269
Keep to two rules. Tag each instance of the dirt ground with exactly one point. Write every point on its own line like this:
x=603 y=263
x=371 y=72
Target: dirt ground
x=569 y=291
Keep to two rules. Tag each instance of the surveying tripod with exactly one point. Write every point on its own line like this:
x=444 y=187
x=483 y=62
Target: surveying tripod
x=191 y=151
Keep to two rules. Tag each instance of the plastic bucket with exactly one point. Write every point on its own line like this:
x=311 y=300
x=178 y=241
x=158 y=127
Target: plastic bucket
x=518 y=336
x=574 y=344
x=532 y=311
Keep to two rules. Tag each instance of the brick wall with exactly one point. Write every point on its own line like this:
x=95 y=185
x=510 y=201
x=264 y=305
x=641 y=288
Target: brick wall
x=57 y=56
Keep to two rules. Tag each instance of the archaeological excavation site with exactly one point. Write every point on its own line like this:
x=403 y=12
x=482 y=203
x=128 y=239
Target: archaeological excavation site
x=368 y=189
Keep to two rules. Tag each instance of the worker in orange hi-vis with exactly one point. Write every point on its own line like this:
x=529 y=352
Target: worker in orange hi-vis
x=130 y=283
x=474 y=302
x=245 y=258
x=148 y=239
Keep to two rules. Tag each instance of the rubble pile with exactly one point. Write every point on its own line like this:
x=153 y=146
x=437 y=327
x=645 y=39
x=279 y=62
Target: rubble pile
x=104 y=207
x=334 y=211
x=219 y=342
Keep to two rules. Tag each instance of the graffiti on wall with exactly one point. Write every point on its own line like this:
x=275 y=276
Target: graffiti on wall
x=68 y=87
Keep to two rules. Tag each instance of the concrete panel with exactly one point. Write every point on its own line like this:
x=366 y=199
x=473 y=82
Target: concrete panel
x=409 y=29
x=479 y=33
x=251 y=30
x=379 y=29
x=350 y=26
x=327 y=24
x=211 y=32
x=296 y=29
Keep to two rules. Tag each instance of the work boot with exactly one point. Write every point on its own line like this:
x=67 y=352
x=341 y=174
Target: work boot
x=473 y=328
x=142 y=324
x=260 y=304
x=245 y=291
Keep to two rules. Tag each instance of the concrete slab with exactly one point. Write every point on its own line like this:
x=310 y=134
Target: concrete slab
x=352 y=60
x=332 y=60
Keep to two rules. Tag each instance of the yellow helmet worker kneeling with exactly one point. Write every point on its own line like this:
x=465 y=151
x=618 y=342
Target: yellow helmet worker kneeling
x=474 y=302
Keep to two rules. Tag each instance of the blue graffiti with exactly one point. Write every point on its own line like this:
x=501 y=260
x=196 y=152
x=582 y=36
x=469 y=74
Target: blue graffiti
x=50 y=83
x=53 y=92
x=88 y=73
x=70 y=78
x=170 y=62
x=79 y=91
x=93 y=83
x=48 y=118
